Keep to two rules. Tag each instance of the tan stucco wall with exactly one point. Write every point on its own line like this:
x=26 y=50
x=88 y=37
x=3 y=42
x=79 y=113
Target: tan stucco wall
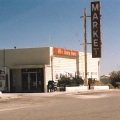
x=1 y=58
x=17 y=80
x=25 y=56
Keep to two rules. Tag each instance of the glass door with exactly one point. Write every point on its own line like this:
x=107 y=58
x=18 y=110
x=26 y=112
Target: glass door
x=33 y=82
x=25 y=82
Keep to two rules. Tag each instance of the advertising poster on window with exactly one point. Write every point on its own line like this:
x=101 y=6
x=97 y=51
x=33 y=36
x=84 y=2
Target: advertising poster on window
x=94 y=74
x=2 y=73
x=59 y=75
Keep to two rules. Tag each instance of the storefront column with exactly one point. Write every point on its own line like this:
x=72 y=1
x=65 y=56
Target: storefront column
x=9 y=80
x=45 y=84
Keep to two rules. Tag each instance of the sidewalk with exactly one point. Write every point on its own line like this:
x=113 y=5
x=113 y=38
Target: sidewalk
x=4 y=96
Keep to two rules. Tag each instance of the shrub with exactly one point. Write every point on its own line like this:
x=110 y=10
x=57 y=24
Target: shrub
x=115 y=77
x=111 y=86
x=75 y=81
x=63 y=80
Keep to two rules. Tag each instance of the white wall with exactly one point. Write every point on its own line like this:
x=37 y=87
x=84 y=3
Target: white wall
x=64 y=65
x=92 y=65
x=70 y=64
x=47 y=76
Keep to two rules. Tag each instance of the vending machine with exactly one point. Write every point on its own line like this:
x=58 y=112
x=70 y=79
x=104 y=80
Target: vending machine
x=2 y=78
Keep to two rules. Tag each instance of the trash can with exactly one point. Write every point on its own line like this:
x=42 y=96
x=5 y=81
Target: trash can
x=51 y=86
x=62 y=87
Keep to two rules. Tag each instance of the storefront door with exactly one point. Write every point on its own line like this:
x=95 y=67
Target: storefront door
x=29 y=82
x=32 y=80
x=25 y=82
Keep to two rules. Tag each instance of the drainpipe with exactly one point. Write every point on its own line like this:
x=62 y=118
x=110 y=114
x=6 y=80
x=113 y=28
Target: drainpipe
x=52 y=57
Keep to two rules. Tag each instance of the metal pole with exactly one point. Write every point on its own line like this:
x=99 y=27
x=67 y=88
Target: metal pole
x=99 y=71
x=52 y=66
x=3 y=57
x=85 y=46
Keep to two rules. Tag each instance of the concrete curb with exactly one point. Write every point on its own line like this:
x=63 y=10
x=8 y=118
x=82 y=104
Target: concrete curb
x=7 y=96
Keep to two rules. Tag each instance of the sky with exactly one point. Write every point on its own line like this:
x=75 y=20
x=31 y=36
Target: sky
x=57 y=23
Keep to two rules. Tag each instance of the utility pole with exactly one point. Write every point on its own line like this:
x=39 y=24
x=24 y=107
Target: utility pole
x=85 y=46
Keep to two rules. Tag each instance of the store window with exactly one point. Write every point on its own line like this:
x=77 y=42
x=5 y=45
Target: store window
x=0 y=83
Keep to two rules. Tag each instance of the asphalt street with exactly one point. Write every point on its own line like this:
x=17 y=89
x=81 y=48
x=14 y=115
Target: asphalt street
x=85 y=105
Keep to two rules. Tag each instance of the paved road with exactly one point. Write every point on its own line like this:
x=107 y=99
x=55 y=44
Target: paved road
x=88 y=105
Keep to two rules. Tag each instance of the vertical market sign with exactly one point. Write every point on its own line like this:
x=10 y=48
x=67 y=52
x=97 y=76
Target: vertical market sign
x=96 y=29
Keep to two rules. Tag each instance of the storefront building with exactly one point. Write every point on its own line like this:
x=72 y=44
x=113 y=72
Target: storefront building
x=30 y=69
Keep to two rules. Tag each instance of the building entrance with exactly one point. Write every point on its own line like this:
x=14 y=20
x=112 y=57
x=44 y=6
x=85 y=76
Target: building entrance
x=32 y=80
x=29 y=81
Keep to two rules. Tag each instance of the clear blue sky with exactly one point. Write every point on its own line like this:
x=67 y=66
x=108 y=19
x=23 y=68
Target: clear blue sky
x=57 y=23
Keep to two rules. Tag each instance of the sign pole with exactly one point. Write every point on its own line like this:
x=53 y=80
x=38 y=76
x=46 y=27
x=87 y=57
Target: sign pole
x=85 y=46
x=95 y=33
